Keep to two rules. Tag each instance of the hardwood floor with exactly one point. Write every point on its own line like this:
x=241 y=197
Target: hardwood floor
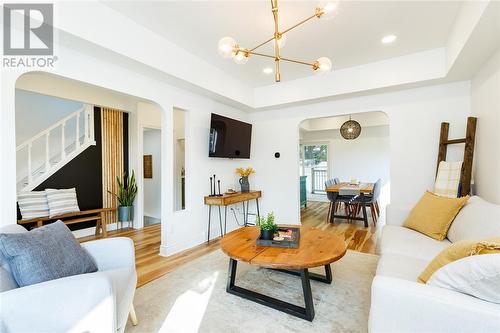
x=357 y=237
x=150 y=265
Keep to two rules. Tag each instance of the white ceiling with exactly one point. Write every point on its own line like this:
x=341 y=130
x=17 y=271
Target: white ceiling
x=351 y=38
x=366 y=119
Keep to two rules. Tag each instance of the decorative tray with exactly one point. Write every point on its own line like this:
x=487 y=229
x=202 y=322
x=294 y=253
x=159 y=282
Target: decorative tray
x=291 y=238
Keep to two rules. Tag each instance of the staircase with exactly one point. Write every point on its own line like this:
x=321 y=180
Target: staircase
x=41 y=156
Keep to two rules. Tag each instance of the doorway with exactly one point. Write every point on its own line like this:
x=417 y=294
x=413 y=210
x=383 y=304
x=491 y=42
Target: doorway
x=314 y=166
x=152 y=175
x=329 y=153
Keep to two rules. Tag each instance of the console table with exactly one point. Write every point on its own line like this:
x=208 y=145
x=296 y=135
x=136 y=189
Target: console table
x=231 y=199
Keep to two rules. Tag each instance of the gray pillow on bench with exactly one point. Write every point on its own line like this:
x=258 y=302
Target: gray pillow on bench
x=46 y=253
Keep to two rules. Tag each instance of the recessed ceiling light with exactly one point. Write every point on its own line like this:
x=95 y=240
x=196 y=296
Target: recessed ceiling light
x=388 y=39
x=267 y=70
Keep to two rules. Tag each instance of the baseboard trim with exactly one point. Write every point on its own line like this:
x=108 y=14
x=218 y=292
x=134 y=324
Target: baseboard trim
x=174 y=248
x=91 y=231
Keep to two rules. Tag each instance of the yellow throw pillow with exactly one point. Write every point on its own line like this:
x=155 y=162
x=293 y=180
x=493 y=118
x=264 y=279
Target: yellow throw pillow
x=458 y=251
x=433 y=215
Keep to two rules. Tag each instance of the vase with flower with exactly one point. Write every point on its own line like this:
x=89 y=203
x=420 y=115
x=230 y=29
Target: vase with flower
x=244 y=173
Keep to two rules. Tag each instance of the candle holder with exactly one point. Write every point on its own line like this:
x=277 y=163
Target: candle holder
x=218 y=184
x=212 y=192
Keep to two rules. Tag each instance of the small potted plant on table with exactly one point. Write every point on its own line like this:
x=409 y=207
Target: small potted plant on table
x=267 y=227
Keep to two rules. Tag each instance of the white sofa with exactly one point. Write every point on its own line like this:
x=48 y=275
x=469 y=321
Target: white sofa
x=95 y=302
x=400 y=304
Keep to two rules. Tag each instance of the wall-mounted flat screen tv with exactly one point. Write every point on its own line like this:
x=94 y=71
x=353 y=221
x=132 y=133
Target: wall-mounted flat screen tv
x=229 y=138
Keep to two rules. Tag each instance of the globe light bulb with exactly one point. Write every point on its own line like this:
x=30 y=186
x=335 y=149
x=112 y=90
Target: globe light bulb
x=350 y=130
x=226 y=47
x=388 y=39
x=329 y=9
x=240 y=58
x=267 y=70
x=281 y=41
x=323 y=65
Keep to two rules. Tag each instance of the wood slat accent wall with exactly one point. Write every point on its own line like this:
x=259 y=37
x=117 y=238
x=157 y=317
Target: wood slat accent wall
x=112 y=158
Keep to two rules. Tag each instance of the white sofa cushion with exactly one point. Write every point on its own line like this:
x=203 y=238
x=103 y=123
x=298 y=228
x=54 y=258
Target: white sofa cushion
x=400 y=306
x=478 y=276
x=407 y=242
x=400 y=266
x=478 y=219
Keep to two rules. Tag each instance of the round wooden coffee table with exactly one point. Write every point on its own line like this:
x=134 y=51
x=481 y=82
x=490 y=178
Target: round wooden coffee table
x=317 y=248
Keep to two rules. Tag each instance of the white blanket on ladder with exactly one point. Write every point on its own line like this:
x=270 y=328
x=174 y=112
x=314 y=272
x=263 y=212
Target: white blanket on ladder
x=448 y=179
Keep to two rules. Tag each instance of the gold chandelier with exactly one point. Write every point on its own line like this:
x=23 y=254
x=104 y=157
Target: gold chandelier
x=229 y=48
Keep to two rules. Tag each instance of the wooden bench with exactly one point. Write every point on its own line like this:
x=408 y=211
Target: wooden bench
x=97 y=215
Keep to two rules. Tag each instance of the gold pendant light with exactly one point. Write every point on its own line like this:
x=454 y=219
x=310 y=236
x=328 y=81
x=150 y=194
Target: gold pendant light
x=229 y=48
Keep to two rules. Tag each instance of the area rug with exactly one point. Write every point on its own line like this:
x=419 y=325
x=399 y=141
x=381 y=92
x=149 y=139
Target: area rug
x=193 y=298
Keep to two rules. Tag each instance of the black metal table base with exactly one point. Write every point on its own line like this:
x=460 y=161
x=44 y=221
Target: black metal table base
x=351 y=216
x=306 y=312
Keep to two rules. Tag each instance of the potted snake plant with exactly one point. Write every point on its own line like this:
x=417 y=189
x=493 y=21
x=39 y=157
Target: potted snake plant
x=127 y=190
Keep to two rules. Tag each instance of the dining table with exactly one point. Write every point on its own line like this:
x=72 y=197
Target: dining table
x=359 y=190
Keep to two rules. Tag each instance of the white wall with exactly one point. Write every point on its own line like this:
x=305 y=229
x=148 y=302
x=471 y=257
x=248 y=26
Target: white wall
x=366 y=158
x=414 y=115
x=152 y=186
x=58 y=86
x=485 y=89
x=35 y=112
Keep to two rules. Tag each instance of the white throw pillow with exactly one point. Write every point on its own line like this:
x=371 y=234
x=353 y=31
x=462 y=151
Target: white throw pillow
x=478 y=276
x=33 y=204
x=62 y=201
x=478 y=219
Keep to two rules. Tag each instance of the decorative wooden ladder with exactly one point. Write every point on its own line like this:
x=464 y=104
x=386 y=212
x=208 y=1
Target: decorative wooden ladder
x=470 y=136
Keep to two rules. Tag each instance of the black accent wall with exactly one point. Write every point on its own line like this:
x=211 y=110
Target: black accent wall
x=84 y=173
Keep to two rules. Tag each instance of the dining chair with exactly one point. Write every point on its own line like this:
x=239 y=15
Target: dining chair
x=349 y=196
x=370 y=201
x=331 y=196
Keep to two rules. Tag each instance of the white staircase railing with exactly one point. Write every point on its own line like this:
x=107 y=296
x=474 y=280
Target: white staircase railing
x=55 y=152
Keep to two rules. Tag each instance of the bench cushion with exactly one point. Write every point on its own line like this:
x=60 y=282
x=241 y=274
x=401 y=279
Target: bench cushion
x=43 y=254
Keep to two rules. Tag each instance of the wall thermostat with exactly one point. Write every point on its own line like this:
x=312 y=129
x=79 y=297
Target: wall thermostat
x=277 y=155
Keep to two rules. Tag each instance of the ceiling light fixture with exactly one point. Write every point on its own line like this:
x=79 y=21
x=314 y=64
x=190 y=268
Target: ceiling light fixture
x=267 y=70
x=350 y=130
x=229 y=48
x=388 y=39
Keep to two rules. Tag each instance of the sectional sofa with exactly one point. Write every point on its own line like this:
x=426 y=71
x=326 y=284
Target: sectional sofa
x=401 y=304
